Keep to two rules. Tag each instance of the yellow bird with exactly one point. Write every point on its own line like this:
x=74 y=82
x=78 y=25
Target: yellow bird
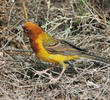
x=54 y=50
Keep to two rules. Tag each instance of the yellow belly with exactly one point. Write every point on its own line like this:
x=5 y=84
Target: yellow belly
x=44 y=55
x=55 y=58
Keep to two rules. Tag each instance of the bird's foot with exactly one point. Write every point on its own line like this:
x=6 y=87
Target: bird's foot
x=42 y=72
x=53 y=80
x=45 y=72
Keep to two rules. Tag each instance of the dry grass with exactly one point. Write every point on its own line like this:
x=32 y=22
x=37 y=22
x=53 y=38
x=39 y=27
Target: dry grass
x=83 y=80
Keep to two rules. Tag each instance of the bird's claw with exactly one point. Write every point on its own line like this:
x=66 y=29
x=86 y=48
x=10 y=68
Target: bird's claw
x=53 y=80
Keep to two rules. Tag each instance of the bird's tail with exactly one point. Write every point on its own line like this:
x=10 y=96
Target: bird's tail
x=96 y=58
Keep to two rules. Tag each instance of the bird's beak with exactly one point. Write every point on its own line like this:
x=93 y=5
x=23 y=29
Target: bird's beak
x=23 y=28
x=25 y=31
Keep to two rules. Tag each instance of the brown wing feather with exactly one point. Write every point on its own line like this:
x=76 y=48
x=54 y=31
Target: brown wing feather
x=63 y=47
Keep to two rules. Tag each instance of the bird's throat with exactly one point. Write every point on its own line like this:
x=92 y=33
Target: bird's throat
x=34 y=45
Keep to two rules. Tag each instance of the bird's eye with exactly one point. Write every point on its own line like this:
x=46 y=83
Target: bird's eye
x=26 y=30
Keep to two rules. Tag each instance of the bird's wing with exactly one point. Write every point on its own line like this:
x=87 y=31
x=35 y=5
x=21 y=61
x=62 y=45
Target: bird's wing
x=61 y=47
x=65 y=48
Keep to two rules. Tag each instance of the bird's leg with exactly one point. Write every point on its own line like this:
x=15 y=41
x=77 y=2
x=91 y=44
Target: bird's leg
x=54 y=80
x=45 y=71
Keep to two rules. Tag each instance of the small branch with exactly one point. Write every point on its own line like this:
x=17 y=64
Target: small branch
x=25 y=12
x=16 y=50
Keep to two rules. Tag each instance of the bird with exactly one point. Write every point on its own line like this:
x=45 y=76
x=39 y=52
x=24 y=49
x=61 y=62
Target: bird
x=55 y=51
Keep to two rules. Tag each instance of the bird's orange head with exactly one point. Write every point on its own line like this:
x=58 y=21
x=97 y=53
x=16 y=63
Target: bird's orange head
x=32 y=30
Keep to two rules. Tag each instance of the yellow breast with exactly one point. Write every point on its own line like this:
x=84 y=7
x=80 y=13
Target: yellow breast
x=44 y=55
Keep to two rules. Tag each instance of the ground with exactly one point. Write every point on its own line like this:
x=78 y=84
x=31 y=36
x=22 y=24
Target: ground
x=63 y=19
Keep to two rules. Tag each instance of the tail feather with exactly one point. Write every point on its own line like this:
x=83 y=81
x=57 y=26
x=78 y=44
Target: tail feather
x=97 y=58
